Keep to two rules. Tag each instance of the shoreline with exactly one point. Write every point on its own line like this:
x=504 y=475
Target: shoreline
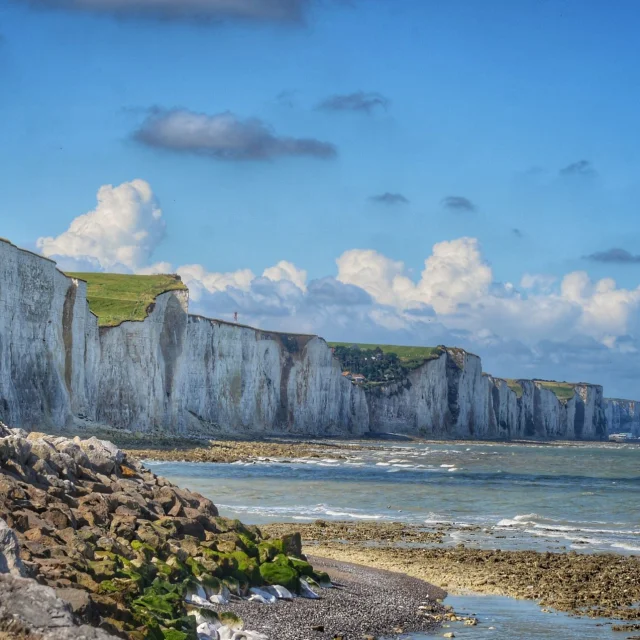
x=228 y=450
x=366 y=603
x=592 y=585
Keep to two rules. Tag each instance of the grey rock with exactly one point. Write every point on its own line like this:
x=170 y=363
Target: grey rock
x=10 y=561
x=78 y=601
x=103 y=455
x=27 y=607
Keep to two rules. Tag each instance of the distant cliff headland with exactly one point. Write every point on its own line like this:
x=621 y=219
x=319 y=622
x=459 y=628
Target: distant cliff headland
x=123 y=351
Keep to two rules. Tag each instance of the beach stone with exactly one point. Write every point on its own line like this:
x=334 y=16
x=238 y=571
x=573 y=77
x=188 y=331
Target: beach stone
x=10 y=561
x=291 y=544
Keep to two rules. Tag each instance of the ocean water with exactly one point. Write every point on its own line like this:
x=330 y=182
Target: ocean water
x=583 y=498
x=560 y=497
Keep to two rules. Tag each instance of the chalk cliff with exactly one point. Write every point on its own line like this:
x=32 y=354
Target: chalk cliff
x=181 y=373
x=450 y=396
x=174 y=371
x=623 y=416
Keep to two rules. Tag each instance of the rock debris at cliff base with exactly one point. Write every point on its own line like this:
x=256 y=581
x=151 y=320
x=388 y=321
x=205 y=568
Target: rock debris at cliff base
x=145 y=560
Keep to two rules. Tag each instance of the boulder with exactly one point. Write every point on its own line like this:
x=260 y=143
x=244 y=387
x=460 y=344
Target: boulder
x=32 y=610
x=279 y=574
x=10 y=561
x=103 y=456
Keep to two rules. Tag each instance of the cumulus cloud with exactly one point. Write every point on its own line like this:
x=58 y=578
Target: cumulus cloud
x=287 y=271
x=619 y=256
x=283 y=11
x=358 y=101
x=120 y=234
x=389 y=198
x=200 y=281
x=329 y=292
x=580 y=168
x=223 y=136
x=454 y=274
x=459 y=204
x=381 y=277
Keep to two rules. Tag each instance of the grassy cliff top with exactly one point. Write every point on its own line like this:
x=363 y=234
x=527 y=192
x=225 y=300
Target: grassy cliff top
x=116 y=298
x=411 y=356
x=515 y=386
x=563 y=390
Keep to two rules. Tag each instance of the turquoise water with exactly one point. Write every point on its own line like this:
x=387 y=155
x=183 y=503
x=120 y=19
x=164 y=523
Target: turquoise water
x=559 y=498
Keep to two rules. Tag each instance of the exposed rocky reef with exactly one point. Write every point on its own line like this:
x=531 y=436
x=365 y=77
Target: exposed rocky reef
x=181 y=373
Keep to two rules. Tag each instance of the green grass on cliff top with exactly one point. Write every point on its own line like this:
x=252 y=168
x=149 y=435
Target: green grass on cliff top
x=563 y=390
x=410 y=356
x=116 y=298
x=515 y=386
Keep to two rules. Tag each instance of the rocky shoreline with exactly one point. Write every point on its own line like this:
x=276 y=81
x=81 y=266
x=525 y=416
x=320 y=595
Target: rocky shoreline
x=595 y=585
x=284 y=449
x=229 y=451
x=140 y=558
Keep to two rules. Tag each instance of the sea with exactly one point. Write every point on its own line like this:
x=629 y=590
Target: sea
x=549 y=497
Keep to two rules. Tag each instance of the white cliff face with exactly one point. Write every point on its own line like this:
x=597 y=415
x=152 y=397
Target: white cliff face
x=173 y=371
x=240 y=378
x=182 y=373
x=447 y=397
x=42 y=340
x=450 y=397
x=623 y=416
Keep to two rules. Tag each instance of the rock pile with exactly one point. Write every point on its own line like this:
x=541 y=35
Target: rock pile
x=131 y=552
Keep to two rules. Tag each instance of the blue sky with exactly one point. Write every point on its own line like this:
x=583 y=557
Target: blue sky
x=525 y=112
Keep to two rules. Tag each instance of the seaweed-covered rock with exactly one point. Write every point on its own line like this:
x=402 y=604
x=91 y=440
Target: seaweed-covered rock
x=274 y=573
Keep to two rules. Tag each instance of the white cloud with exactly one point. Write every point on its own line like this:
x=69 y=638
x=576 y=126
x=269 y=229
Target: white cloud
x=538 y=281
x=120 y=234
x=287 y=271
x=454 y=274
x=381 y=277
x=155 y=269
x=200 y=281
